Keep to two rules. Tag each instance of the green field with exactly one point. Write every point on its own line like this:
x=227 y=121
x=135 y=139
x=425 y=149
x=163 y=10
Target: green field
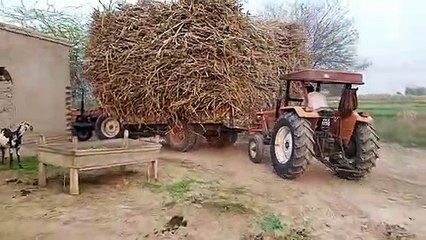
x=398 y=119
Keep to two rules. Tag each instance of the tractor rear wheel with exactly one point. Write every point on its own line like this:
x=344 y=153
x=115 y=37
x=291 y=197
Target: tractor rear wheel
x=256 y=149
x=292 y=145
x=181 y=139
x=362 y=152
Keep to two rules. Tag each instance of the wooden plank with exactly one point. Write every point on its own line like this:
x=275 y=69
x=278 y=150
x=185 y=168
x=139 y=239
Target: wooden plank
x=57 y=149
x=155 y=169
x=74 y=188
x=111 y=159
x=55 y=159
x=41 y=174
x=114 y=165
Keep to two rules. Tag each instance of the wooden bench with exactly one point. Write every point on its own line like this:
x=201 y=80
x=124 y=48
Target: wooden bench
x=91 y=155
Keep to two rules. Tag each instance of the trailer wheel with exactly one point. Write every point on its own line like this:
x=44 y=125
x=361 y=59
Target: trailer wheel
x=223 y=140
x=181 y=139
x=108 y=128
x=256 y=149
x=292 y=145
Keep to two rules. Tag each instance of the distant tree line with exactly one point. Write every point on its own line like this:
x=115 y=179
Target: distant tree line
x=415 y=91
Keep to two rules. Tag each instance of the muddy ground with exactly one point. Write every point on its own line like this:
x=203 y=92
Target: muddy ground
x=221 y=195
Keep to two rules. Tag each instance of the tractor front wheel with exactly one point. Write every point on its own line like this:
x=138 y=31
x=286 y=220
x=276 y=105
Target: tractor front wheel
x=83 y=134
x=292 y=145
x=362 y=152
x=256 y=149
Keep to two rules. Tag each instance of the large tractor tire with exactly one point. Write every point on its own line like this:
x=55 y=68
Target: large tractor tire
x=181 y=139
x=362 y=153
x=223 y=139
x=256 y=149
x=292 y=145
x=108 y=128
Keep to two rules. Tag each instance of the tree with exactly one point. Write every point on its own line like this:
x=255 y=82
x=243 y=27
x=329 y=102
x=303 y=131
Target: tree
x=332 y=36
x=415 y=91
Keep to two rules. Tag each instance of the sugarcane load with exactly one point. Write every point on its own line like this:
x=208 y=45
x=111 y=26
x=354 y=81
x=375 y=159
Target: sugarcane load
x=188 y=67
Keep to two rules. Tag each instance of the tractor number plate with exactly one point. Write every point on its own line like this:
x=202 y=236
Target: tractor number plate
x=325 y=123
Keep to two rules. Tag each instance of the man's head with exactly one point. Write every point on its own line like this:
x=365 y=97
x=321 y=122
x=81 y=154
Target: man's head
x=309 y=87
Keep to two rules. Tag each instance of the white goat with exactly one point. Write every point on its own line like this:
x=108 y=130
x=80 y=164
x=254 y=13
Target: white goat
x=13 y=140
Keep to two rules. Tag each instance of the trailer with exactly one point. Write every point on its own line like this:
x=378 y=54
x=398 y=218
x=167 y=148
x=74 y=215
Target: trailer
x=180 y=138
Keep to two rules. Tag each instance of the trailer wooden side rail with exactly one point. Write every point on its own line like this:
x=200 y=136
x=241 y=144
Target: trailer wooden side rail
x=84 y=156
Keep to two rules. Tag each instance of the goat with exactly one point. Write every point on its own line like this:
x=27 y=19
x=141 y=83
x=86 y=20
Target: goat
x=13 y=140
x=7 y=139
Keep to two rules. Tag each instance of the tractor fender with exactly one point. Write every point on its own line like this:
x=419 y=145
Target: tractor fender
x=300 y=112
x=349 y=123
x=363 y=117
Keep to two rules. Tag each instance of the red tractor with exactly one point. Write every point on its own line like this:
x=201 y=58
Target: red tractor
x=305 y=128
x=85 y=122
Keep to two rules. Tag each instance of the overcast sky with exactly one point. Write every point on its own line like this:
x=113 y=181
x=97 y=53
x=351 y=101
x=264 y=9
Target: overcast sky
x=392 y=36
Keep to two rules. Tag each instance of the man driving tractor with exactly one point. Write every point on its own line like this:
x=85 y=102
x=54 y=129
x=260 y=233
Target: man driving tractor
x=314 y=100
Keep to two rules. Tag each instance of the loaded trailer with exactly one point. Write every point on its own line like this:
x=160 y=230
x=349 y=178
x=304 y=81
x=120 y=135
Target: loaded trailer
x=180 y=138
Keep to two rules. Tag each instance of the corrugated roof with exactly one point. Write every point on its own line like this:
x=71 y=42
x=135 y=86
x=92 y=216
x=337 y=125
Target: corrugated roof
x=34 y=34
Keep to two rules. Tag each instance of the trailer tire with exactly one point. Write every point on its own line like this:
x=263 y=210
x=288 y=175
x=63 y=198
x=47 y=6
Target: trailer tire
x=223 y=139
x=182 y=140
x=108 y=128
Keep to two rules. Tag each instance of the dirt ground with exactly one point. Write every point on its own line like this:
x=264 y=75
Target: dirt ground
x=222 y=195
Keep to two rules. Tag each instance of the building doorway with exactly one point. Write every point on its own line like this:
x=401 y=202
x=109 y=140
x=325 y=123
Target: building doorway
x=6 y=98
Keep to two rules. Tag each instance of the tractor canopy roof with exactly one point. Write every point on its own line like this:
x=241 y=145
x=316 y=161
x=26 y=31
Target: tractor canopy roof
x=325 y=76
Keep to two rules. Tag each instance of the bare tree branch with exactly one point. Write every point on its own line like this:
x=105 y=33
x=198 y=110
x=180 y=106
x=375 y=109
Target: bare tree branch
x=332 y=36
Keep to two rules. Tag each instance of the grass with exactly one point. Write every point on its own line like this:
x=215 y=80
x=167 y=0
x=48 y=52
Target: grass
x=227 y=206
x=271 y=223
x=389 y=123
x=392 y=127
x=29 y=168
x=177 y=190
x=29 y=165
x=212 y=197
